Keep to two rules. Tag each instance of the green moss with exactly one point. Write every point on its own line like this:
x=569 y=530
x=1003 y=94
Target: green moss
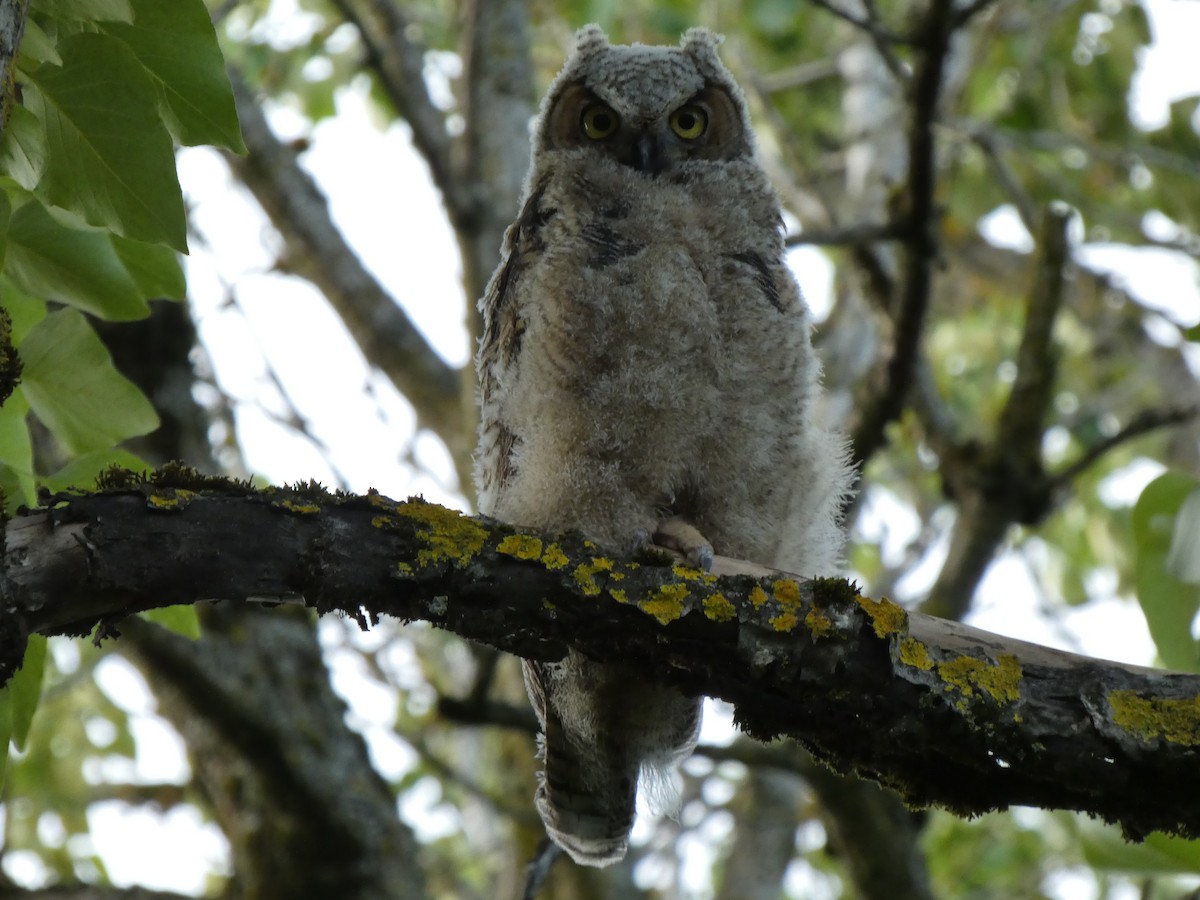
x=1001 y=681
x=718 y=608
x=118 y=478
x=886 y=617
x=666 y=603
x=520 y=546
x=1177 y=721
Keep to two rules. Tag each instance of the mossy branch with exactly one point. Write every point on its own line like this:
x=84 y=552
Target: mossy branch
x=943 y=713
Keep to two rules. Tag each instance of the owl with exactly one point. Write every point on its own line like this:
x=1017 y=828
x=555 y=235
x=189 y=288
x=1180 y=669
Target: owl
x=646 y=377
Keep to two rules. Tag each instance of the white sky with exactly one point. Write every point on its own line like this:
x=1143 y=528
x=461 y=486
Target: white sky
x=382 y=199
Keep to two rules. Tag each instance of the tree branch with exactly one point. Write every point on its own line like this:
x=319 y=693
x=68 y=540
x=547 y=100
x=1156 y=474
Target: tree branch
x=920 y=229
x=317 y=251
x=864 y=233
x=938 y=711
x=1006 y=482
x=12 y=27
x=399 y=65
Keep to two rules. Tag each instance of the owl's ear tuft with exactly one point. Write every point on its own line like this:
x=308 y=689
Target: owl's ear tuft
x=590 y=39
x=701 y=42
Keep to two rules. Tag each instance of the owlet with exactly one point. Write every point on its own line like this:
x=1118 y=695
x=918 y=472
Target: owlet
x=646 y=375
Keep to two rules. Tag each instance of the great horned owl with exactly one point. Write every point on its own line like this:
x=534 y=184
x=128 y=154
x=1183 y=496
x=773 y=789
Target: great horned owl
x=646 y=375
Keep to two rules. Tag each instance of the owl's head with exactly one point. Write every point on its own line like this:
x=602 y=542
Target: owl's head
x=649 y=108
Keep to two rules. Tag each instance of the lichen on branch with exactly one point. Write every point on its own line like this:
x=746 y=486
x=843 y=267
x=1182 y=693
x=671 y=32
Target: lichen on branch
x=940 y=712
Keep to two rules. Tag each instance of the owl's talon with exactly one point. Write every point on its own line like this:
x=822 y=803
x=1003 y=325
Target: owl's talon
x=681 y=537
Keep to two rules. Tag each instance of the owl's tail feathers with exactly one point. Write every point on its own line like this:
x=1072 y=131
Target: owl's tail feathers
x=586 y=812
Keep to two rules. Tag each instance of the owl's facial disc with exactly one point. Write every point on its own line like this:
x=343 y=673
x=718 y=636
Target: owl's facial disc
x=654 y=135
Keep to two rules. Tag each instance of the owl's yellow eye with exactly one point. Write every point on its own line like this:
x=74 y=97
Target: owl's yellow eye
x=689 y=122
x=598 y=121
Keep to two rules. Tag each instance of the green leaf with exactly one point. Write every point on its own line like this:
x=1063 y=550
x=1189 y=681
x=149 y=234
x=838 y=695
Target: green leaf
x=25 y=310
x=23 y=148
x=1169 y=604
x=77 y=266
x=5 y=215
x=109 y=156
x=154 y=268
x=6 y=722
x=81 y=472
x=73 y=387
x=1105 y=848
x=37 y=46
x=177 y=44
x=87 y=10
x=182 y=620
x=16 y=447
x=26 y=688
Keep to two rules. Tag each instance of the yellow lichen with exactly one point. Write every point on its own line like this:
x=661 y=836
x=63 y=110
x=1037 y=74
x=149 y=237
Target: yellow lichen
x=1177 y=721
x=718 y=608
x=1000 y=681
x=404 y=570
x=666 y=603
x=449 y=536
x=618 y=595
x=819 y=624
x=687 y=573
x=914 y=653
x=585 y=574
x=378 y=500
x=787 y=592
x=177 y=498
x=758 y=596
x=886 y=617
x=521 y=546
x=785 y=621
x=303 y=509
x=554 y=558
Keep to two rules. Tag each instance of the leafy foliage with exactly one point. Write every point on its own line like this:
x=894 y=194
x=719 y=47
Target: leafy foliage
x=92 y=221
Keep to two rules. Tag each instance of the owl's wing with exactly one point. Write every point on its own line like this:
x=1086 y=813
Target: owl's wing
x=500 y=345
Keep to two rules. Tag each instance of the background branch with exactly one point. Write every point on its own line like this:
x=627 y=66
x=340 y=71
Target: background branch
x=316 y=250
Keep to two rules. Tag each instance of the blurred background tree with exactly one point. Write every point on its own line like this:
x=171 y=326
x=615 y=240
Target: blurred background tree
x=986 y=207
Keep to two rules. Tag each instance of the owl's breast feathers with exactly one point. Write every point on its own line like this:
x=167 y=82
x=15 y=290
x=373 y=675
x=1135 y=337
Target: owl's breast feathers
x=623 y=308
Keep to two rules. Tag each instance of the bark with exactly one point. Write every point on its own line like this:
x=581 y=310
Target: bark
x=940 y=712
x=12 y=28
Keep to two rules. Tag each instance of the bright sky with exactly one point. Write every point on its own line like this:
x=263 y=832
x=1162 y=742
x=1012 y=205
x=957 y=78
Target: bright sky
x=361 y=429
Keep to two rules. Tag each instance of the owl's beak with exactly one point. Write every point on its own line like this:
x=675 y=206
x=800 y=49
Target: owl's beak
x=646 y=154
